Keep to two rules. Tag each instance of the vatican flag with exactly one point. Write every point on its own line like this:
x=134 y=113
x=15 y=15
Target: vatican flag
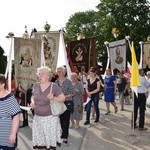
x=135 y=77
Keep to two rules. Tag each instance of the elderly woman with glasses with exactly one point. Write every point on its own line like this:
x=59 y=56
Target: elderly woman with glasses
x=77 y=115
x=65 y=84
x=46 y=128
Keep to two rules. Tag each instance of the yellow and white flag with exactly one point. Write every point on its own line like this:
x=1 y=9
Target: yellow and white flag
x=135 y=77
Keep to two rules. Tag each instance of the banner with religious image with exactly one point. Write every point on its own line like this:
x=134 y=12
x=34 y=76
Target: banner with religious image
x=146 y=54
x=26 y=61
x=79 y=54
x=51 y=47
x=117 y=50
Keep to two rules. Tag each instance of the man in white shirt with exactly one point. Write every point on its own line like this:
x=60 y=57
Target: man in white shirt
x=140 y=102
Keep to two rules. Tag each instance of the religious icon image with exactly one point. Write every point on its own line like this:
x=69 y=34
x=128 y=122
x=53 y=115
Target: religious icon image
x=118 y=59
x=79 y=53
x=82 y=68
x=146 y=56
x=47 y=51
x=26 y=58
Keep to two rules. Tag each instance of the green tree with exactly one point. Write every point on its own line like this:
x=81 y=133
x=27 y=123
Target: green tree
x=81 y=22
x=2 y=61
x=130 y=17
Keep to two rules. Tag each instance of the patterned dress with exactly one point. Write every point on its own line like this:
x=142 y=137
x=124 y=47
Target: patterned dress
x=67 y=89
x=78 y=101
x=46 y=129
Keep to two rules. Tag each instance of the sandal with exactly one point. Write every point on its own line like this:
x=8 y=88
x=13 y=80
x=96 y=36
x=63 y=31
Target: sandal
x=116 y=109
x=107 y=113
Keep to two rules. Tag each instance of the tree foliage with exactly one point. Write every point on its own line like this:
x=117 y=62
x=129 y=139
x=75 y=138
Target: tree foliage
x=81 y=22
x=130 y=17
x=2 y=61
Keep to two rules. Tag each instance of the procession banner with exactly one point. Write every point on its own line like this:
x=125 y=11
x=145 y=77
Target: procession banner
x=51 y=47
x=146 y=54
x=26 y=61
x=117 y=50
x=79 y=54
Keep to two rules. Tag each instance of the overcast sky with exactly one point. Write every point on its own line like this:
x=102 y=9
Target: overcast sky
x=15 y=14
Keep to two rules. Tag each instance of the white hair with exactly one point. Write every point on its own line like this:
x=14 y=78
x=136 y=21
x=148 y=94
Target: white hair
x=45 y=69
x=148 y=72
x=62 y=68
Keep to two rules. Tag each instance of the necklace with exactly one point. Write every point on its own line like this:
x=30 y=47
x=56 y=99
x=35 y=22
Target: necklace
x=44 y=86
x=61 y=81
x=92 y=80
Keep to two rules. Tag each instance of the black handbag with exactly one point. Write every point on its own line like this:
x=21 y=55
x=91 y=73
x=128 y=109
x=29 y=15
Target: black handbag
x=70 y=105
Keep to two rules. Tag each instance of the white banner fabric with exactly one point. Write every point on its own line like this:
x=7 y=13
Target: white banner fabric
x=117 y=50
x=51 y=47
x=146 y=54
x=26 y=61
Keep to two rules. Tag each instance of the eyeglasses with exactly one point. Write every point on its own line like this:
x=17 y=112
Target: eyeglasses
x=59 y=71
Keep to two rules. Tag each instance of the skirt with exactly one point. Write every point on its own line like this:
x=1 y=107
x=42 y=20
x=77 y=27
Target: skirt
x=46 y=131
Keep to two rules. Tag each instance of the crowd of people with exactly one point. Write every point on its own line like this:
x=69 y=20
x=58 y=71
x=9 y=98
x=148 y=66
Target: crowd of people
x=50 y=131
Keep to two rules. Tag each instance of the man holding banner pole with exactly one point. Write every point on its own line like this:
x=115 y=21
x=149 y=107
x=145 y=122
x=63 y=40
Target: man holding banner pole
x=139 y=87
x=140 y=102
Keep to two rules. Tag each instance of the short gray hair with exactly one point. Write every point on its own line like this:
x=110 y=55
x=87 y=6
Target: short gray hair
x=148 y=72
x=45 y=69
x=62 y=68
x=74 y=74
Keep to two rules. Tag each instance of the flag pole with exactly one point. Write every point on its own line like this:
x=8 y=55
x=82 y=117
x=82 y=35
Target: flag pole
x=8 y=71
x=127 y=38
x=44 y=40
x=65 y=53
x=141 y=56
x=135 y=82
x=93 y=47
x=132 y=123
x=108 y=58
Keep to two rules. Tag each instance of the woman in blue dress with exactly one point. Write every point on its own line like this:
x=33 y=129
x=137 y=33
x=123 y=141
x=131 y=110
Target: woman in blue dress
x=110 y=91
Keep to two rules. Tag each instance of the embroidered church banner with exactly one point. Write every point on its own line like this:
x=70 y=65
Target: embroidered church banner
x=26 y=61
x=146 y=54
x=117 y=50
x=79 y=54
x=51 y=47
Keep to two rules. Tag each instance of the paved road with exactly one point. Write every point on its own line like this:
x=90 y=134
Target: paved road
x=113 y=132
x=25 y=137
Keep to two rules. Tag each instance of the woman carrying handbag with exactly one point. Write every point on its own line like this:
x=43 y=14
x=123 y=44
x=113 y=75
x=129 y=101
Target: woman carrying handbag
x=46 y=128
x=65 y=84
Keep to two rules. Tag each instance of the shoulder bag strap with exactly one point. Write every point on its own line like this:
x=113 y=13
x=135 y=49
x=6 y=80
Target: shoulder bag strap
x=51 y=87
